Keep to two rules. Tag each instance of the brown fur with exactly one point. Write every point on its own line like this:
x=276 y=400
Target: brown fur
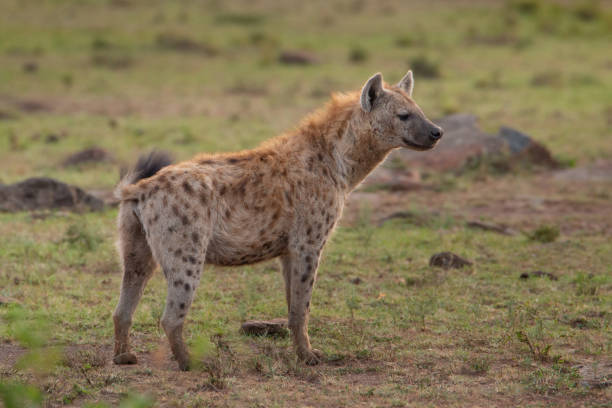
x=281 y=199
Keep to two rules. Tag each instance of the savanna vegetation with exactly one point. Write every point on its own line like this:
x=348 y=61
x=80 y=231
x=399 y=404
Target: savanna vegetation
x=129 y=75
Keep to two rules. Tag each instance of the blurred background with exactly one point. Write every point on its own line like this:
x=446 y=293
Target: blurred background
x=190 y=76
x=519 y=189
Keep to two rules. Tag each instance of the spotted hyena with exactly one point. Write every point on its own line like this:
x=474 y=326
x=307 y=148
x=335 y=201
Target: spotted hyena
x=281 y=199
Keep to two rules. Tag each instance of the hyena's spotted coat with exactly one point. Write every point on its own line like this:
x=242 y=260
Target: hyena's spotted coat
x=282 y=199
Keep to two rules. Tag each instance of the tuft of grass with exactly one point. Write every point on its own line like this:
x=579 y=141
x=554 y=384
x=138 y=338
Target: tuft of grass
x=553 y=380
x=81 y=237
x=547 y=78
x=545 y=234
x=358 y=55
x=243 y=19
x=539 y=351
x=588 y=10
x=424 y=67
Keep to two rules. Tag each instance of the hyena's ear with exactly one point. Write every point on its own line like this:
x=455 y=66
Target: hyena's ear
x=371 y=91
x=407 y=83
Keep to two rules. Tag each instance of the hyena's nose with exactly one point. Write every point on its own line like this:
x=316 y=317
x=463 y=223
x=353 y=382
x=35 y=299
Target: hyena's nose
x=436 y=133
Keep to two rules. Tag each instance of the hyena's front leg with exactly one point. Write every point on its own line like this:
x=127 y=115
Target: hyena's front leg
x=303 y=265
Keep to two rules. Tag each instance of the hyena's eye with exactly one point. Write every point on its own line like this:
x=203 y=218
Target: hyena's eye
x=403 y=116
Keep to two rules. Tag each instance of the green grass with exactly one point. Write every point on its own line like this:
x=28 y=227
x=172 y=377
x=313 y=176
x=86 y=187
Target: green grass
x=131 y=75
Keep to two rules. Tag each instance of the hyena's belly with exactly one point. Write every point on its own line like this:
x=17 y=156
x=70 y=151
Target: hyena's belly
x=225 y=251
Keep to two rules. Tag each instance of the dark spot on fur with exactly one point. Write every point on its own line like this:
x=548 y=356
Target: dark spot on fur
x=311 y=282
x=195 y=238
x=175 y=209
x=182 y=306
x=288 y=198
x=309 y=231
x=308 y=305
x=184 y=219
x=308 y=259
x=320 y=157
x=191 y=259
x=178 y=252
x=187 y=287
x=189 y=272
x=305 y=277
x=181 y=315
x=178 y=283
x=223 y=189
x=228 y=213
x=170 y=229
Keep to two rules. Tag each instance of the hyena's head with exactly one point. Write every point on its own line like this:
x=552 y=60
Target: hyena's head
x=396 y=120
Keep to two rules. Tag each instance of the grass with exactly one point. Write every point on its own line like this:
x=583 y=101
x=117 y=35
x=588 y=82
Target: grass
x=188 y=78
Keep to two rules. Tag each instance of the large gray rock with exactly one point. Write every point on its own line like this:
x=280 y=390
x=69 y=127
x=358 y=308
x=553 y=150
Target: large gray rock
x=40 y=193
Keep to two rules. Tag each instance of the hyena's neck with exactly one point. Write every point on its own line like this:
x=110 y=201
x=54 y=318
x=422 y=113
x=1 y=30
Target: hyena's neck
x=361 y=155
x=340 y=143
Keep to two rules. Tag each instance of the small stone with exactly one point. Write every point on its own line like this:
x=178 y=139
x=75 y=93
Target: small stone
x=447 y=260
x=297 y=57
x=356 y=281
x=274 y=327
x=538 y=274
x=125 y=358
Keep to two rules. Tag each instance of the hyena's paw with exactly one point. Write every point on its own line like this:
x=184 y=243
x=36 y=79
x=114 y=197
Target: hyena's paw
x=311 y=357
x=125 y=358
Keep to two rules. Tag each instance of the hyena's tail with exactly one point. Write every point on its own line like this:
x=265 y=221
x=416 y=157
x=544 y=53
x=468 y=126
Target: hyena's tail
x=146 y=166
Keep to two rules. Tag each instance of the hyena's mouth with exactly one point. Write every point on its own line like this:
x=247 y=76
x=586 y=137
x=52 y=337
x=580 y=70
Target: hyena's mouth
x=415 y=146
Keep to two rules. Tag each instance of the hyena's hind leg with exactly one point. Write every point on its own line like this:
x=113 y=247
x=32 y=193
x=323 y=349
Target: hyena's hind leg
x=138 y=266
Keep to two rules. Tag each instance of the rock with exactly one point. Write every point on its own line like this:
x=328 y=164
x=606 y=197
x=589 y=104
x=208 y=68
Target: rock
x=523 y=147
x=89 y=155
x=274 y=327
x=30 y=67
x=464 y=141
x=297 y=57
x=45 y=193
x=538 y=274
x=502 y=229
x=595 y=374
x=125 y=358
x=356 y=281
x=447 y=260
